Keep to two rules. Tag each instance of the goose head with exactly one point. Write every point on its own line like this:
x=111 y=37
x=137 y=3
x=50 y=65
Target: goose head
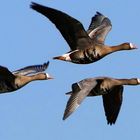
x=129 y=46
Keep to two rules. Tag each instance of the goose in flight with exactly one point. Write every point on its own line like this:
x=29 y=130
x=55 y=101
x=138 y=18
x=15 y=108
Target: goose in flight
x=11 y=81
x=85 y=46
x=111 y=90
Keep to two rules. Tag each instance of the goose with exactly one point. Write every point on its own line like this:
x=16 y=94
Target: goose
x=11 y=81
x=85 y=46
x=111 y=90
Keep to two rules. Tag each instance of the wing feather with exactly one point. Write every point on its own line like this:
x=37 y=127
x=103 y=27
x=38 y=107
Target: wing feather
x=32 y=69
x=112 y=104
x=99 y=28
x=71 y=29
x=79 y=92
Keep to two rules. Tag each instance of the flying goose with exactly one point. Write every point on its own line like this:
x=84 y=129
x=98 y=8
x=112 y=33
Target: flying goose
x=111 y=90
x=11 y=81
x=85 y=46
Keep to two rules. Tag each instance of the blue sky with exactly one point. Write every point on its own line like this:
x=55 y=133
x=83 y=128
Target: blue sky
x=35 y=111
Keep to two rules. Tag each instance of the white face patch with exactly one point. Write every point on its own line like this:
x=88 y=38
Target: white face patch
x=138 y=80
x=132 y=46
x=48 y=76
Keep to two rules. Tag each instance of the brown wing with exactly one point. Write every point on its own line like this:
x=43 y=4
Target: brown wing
x=71 y=29
x=5 y=74
x=79 y=91
x=99 y=28
x=112 y=104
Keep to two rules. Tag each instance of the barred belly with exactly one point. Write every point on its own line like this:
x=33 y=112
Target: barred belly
x=85 y=56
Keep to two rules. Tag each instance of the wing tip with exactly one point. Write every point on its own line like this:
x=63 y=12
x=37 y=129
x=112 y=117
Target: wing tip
x=98 y=13
x=66 y=115
x=110 y=123
x=34 y=4
x=64 y=118
x=46 y=64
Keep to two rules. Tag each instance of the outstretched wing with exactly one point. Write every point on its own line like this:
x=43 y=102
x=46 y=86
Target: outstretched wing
x=32 y=69
x=5 y=74
x=99 y=28
x=79 y=91
x=112 y=104
x=71 y=29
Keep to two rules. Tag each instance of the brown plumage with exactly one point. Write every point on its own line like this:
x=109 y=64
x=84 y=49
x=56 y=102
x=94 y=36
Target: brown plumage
x=11 y=81
x=111 y=90
x=86 y=46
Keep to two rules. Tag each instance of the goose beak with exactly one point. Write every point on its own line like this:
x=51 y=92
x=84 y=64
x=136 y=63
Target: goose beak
x=60 y=58
x=48 y=76
x=138 y=80
x=132 y=46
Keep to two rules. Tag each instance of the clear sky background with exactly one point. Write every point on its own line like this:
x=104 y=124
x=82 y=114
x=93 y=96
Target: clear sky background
x=35 y=111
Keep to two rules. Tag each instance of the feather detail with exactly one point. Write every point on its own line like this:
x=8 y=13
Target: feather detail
x=32 y=69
